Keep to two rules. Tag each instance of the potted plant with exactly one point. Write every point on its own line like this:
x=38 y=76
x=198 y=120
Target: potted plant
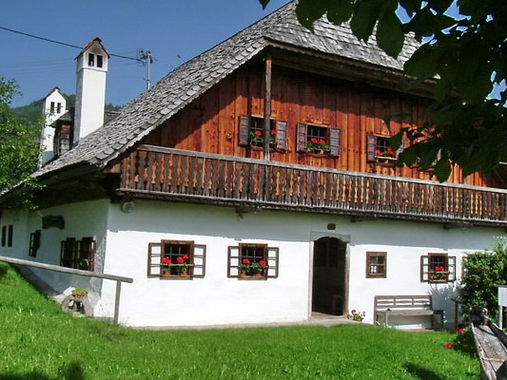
x=317 y=145
x=76 y=299
x=357 y=316
x=386 y=153
x=439 y=273
x=253 y=269
x=257 y=138
x=180 y=268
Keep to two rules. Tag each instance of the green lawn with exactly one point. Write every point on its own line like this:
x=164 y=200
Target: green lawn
x=38 y=341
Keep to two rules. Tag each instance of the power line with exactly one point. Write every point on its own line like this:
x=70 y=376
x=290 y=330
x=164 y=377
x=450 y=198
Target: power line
x=62 y=43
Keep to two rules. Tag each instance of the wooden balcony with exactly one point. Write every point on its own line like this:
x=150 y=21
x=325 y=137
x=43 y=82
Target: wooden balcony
x=163 y=173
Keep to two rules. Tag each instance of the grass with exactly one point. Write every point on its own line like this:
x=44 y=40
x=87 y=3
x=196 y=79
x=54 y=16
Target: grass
x=38 y=341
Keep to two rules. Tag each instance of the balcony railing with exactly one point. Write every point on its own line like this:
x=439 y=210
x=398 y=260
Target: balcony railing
x=157 y=172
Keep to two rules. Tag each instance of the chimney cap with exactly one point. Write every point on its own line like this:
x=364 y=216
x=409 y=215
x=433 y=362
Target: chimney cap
x=91 y=43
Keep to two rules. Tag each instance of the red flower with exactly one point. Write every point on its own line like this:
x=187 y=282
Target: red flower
x=378 y=152
x=354 y=311
x=258 y=133
x=321 y=141
x=166 y=260
x=467 y=324
x=273 y=131
x=391 y=151
x=180 y=260
x=314 y=140
x=440 y=268
x=448 y=345
x=460 y=331
x=263 y=263
x=246 y=261
x=185 y=257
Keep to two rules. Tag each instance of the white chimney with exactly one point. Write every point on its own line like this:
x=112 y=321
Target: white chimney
x=92 y=65
x=54 y=105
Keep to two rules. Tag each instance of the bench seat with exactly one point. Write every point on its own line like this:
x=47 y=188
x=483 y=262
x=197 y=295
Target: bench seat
x=405 y=306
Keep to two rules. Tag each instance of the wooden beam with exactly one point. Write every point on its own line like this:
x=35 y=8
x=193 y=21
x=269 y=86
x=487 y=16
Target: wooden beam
x=267 y=107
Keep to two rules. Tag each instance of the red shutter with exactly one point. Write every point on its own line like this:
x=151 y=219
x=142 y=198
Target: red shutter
x=302 y=137
x=244 y=130
x=281 y=135
x=334 y=142
x=372 y=144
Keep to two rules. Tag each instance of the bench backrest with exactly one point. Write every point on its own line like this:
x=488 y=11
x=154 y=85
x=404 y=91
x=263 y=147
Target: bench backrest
x=402 y=302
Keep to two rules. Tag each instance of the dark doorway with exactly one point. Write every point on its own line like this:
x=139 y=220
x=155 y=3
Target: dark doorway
x=329 y=276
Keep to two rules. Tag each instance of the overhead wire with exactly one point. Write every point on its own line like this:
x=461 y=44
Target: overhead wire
x=62 y=43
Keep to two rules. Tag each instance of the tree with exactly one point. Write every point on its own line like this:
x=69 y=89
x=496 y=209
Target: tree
x=19 y=145
x=484 y=271
x=467 y=52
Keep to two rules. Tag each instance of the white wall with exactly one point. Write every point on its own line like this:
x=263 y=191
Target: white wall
x=217 y=299
x=81 y=220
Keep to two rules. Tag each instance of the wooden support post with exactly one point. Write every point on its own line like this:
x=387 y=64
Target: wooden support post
x=117 y=302
x=267 y=108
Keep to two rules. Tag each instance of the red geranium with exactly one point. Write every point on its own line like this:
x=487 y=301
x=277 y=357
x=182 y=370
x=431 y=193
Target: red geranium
x=273 y=131
x=166 y=260
x=440 y=268
x=321 y=141
x=314 y=140
x=246 y=261
x=180 y=260
x=448 y=345
x=460 y=331
x=391 y=151
x=378 y=152
x=263 y=263
x=185 y=257
x=258 y=133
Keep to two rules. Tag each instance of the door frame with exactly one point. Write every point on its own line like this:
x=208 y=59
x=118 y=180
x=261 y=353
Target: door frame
x=316 y=235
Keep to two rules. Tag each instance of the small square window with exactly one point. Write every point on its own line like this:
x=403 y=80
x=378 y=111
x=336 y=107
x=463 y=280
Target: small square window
x=253 y=260
x=256 y=132
x=176 y=260
x=91 y=59
x=78 y=254
x=318 y=139
x=438 y=267
x=251 y=132
x=376 y=264
x=379 y=150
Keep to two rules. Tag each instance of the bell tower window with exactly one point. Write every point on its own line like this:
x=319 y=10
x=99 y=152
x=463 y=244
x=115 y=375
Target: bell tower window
x=91 y=59
x=99 y=61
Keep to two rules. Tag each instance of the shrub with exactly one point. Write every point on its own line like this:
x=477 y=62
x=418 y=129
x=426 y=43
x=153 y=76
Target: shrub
x=483 y=272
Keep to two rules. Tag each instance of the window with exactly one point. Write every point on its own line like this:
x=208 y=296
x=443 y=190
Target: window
x=376 y=264
x=52 y=107
x=318 y=139
x=251 y=132
x=176 y=260
x=252 y=262
x=4 y=235
x=438 y=267
x=91 y=59
x=58 y=107
x=10 y=233
x=78 y=254
x=99 y=60
x=380 y=151
x=34 y=243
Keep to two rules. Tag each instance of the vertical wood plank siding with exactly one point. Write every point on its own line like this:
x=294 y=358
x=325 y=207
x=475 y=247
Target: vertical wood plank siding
x=212 y=122
x=172 y=173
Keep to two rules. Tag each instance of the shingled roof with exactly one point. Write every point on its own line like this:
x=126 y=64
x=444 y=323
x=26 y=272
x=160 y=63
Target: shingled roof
x=193 y=78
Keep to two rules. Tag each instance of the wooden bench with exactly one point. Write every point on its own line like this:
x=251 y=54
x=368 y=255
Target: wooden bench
x=405 y=306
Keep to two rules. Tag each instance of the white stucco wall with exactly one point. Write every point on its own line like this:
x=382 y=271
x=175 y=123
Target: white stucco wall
x=81 y=219
x=217 y=299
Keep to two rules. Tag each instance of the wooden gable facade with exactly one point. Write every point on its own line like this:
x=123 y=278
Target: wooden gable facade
x=212 y=123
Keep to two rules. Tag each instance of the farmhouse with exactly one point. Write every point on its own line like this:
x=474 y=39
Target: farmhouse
x=255 y=183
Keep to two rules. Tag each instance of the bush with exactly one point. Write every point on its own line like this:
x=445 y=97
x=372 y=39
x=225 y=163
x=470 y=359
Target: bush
x=483 y=272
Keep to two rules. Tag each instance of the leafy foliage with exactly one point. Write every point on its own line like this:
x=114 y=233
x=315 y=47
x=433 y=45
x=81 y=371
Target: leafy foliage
x=483 y=272
x=19 y=145
x=467 y=53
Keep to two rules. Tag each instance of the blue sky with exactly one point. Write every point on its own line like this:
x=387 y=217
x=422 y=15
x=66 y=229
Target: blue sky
x=174 y=31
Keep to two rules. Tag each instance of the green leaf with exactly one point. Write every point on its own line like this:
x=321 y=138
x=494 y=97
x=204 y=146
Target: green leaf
x=340 y=11
x=264 y=3
x=364 y=18
x=309 y=11
x=390 y=35
x=408 y=156
x=410 y=6
x=396 y=140
x=443 y=169
x=424 y=63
